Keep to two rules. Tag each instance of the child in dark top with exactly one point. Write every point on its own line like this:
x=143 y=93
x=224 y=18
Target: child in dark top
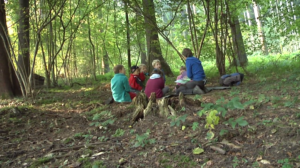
x=156 y=84
x=120 y=87
x=156 y=65
x=136 y=79
x=195 y=72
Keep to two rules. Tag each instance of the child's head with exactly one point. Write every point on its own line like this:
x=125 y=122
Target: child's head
x=156 y=64
x=157 y=71
x=143 y=68
x=187 y=52
x=119 y=69
x=135 y=70
x=182 y=69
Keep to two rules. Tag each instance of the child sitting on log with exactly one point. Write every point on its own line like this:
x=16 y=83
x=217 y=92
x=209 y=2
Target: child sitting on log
x=136 y=79
x=120 y=86
x=156 y=84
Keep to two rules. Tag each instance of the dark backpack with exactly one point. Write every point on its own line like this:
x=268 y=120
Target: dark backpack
x=232 y=79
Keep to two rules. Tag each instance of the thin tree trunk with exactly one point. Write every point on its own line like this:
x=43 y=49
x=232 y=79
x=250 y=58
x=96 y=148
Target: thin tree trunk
x=23 y=34
x=260 y=29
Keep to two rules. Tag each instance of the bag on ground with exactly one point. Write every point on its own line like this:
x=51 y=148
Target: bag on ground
x=231 y=79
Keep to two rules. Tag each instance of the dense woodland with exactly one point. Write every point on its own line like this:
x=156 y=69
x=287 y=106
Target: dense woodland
x=72 y=46
x=73 y=39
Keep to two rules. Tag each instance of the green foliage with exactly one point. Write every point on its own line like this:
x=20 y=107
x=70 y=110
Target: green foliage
x=222 y=106
x=235 y=162
x=142 y=140
x=195 y=125
x=240 y=121
x=285 y=163
x=119 y=132
x=212 y=119
x=41 y=161
x=176 y=121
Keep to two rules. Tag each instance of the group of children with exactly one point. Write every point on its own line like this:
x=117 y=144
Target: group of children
x=124 y=90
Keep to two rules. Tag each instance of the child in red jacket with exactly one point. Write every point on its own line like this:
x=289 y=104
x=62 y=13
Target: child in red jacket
x=136 y=79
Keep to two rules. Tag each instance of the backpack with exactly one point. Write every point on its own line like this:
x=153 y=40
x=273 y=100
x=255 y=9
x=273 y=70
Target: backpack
x=232 y=79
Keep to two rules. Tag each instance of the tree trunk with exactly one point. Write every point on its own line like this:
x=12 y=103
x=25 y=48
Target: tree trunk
x=238 y=44
x=153 y=45
x=128 y=37
x=23 y=34
x=9 y=85
x=260 y=29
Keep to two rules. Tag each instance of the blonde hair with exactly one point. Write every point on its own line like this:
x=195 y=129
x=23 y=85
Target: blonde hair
x=142 y=65
x=155 y=61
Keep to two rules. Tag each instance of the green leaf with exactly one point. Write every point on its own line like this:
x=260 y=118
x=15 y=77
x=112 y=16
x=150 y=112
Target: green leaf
x=195 y=125
x=210 y=135
x=223 y=131
x=198 y=151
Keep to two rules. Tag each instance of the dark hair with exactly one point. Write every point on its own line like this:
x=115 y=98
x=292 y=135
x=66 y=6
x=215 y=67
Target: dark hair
x=134 y=68
x=187 y=52
x=156 y=71
x=117 y=68
x=183 y=68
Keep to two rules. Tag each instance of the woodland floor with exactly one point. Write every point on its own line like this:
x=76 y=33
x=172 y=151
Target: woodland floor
x=74 y=128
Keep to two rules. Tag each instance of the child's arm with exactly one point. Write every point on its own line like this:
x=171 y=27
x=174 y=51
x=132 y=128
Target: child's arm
x=189 y=70
x=126 y=85
x=133 y=84
x=142 y=76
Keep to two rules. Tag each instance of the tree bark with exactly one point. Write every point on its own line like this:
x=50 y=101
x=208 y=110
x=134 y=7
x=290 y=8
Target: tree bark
x=9 y=85
x=238 y=44
x=260 y=29
x=23 y=34
x=153 y=44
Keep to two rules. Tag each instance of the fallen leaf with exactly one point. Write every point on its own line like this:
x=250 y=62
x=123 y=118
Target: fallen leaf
x=75 y=165
x=259 y=158
x=183 y=128
x=198 y=150
x=98 y=154
x=289 y=153
x=225 y=142
x=265 y=162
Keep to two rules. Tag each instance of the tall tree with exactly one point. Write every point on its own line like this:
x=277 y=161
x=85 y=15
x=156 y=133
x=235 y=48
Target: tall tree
x=9 y=85
x=260 y=30
x=23 y=34
x=153 y=45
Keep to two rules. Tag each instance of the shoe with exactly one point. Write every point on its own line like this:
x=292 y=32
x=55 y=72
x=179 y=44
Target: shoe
x=109 y=101
x=197 y=90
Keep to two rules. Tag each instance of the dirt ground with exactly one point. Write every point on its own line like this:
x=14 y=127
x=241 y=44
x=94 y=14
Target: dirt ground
x=74 y=128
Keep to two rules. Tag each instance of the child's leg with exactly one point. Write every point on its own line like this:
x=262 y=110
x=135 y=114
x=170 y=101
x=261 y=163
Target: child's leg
x=165 y=90
x=132 y=95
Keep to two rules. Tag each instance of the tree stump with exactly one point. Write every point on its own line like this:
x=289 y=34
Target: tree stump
x=151 y=106
x=145 y=107
x=181 y=99
x=140 y=99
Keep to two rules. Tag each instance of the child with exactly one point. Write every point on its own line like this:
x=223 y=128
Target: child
x=183 y=74
x=120 y=86
x=136 y=79
x=156 y=84
x=156 y=65
x=143 y=69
